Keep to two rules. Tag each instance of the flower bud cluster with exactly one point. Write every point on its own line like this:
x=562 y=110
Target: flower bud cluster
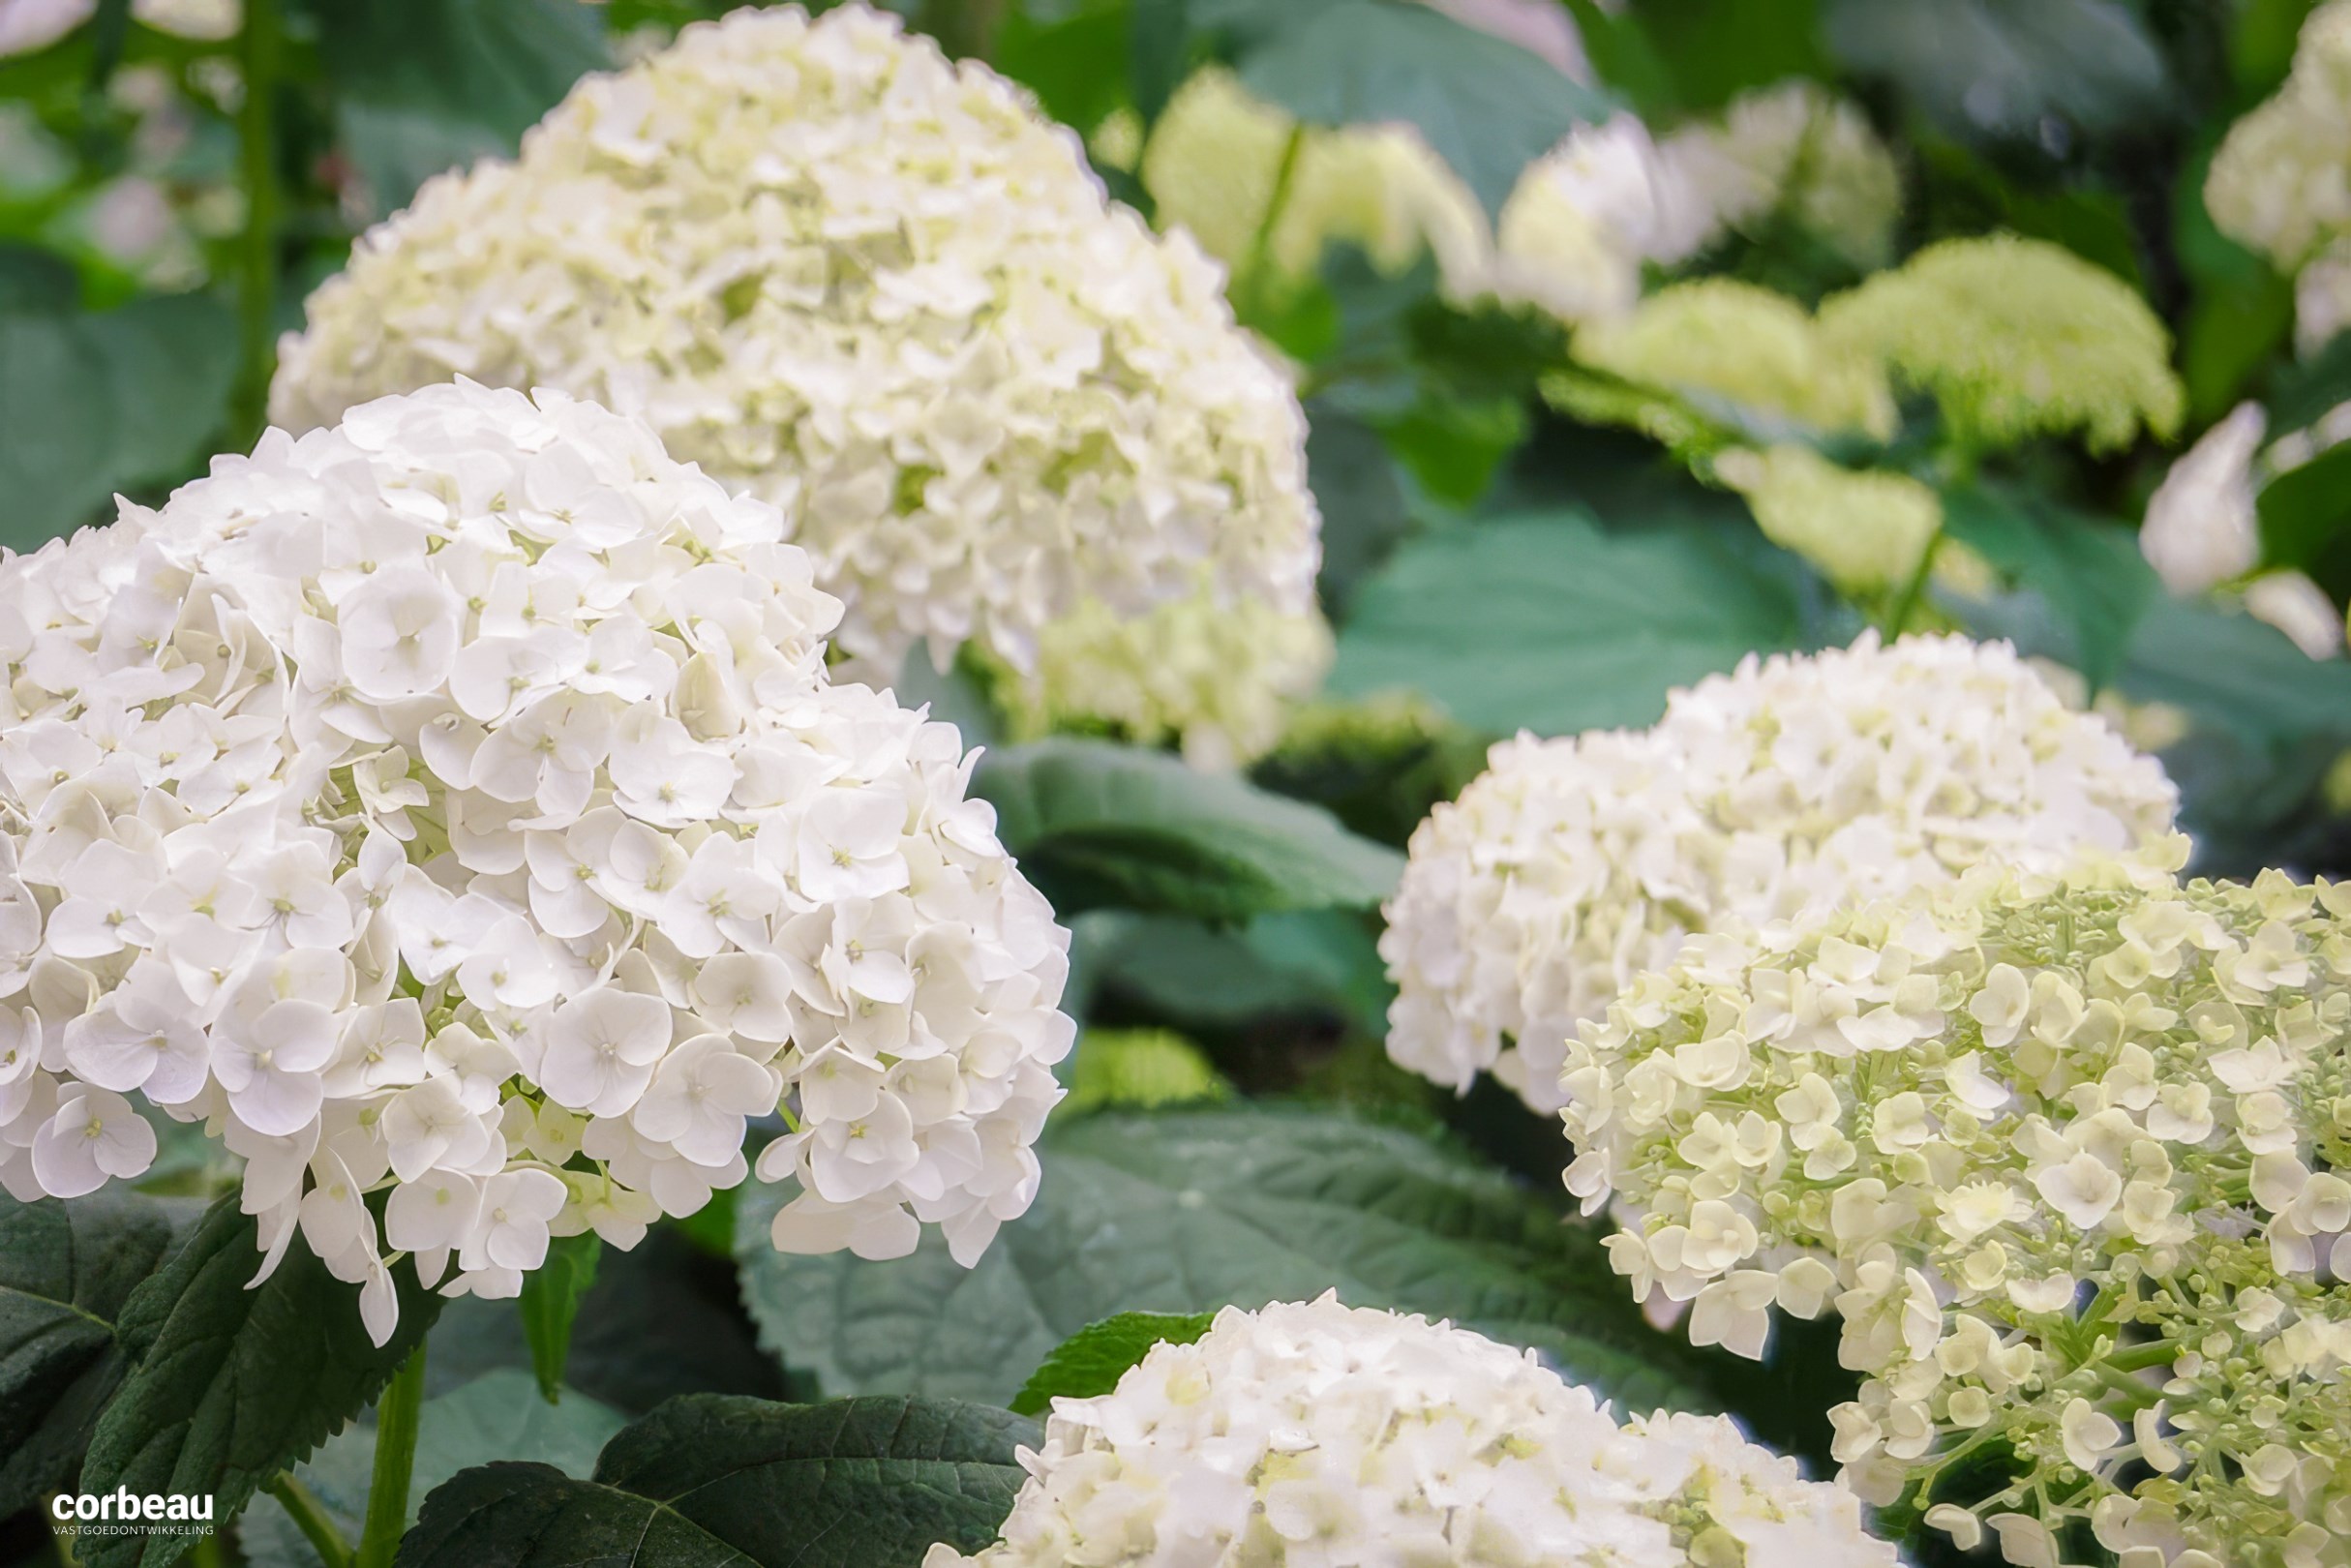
x=454 y=805
x=2069 y=1158
x=2016 y=337
x=1313 y=1432
x=1784 y=790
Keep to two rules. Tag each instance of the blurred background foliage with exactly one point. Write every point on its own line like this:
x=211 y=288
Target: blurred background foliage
x=1538 y=512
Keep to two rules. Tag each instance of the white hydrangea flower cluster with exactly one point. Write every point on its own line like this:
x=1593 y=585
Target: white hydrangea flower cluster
x=876 y=290
x=1313 y=1432
x=1785 y=791
x=2070 y=1158
x=455 y=802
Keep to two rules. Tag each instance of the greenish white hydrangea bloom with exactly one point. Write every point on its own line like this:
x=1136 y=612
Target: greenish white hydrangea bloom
x=1721 y=339
x=1789 y=790
x=1214 y=163
x=1866 y=531
x=1217 y=678
x=1315 y=1434
x=2281 y=181
x=2069 y=1155
x=876 y=290
x=2016 y=337
x=1795 y=151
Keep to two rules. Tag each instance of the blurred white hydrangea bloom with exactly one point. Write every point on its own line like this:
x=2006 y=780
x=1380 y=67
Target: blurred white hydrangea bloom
x=454 y=802
x=879 y=292
x=1587 y=215
x=2069 y=1156
x=1783 y=792
x=1317 y=1432
x=2200 y=529
x=1796 y=151
x=2281 y=180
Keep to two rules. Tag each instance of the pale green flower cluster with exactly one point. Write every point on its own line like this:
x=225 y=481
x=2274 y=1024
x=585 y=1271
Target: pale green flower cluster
x=1718 y=339
x=2015 y=338
x=1214 y=165
x=1866 y=531
x=2070 y=1158
x=1795 y=152
x=1218 y=678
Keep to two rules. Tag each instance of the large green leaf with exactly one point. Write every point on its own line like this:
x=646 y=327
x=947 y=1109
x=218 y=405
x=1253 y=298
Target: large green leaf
x=1188 y=1210
x=1092 y=1361
x=66 y=1268
x=2090 y=573
x=228 y=1384
x=1488 y=107
x=714 y=1480
x=1551 y=624
x=423 y=85
x=2235 y=673
x=500 y=1415
x=1096 y=824
x=93 y=404
x=2001 y=68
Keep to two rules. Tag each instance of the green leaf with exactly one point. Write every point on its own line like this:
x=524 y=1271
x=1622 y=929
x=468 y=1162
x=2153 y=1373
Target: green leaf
x=230 y=1385
x=2235 y=674
x=1365 y=508
x=1545 y=622
x=1716 y=48
x=1305 y=961
x=424 y=85
x=1188 y=1210
x=1092 y=1361
x=1488 y=107
x=500 y=1415
x=66 y=1268
x=1096 y=824
x=709 y=1480
x=2089 y=572
x=93 y=404
x=1999 y=67
x=551 y=1301
x=2304 y=509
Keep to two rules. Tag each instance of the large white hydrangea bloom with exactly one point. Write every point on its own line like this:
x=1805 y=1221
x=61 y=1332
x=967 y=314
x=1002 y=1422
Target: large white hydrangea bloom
x=876 y=290
x=1313 y=1432
x=1783 y=792
x=2069 y=1157
x=455 y=801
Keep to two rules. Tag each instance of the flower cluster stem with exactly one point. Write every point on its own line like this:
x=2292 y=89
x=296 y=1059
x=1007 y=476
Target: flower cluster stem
x=396 y=1418
x=259 y=45
x=310 y=1518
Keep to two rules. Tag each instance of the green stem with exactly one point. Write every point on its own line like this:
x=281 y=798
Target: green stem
x=1915 y=590
x=1257 y=267
x=2140 y=1357
x=259 y=46
x=311 y=1519
x=396 y=1415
